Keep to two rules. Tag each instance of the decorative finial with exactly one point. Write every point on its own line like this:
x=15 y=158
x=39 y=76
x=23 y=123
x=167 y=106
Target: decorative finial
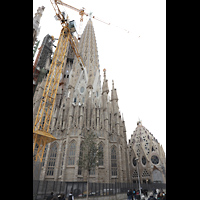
x=90 y=15
x=139 y=121
x=113 y=84
x=104 y=70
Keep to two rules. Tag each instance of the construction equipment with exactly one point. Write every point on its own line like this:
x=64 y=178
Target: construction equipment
x=41 y=135
x=82 y=13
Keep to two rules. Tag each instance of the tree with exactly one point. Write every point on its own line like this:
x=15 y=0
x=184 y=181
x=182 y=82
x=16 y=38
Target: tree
x=89 y=155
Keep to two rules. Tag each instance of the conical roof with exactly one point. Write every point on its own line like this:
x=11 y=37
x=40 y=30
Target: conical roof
x=88 y=50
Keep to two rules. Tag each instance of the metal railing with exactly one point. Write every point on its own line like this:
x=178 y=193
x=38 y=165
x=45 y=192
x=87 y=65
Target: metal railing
x=42 y=189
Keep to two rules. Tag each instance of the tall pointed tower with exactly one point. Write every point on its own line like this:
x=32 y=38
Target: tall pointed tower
x=36 y=22
x=82 y=105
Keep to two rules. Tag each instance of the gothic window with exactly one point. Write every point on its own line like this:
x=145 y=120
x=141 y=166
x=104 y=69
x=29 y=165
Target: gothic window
x=92 y=171
x=134 y=161
x=145 y=173
x=101 y=150
x=113 y=161
x=52 y=159
x=155 y=159
x=82 y=89
x=62 y=157
x=71 y=153
x=144 y=160
x=135 y=174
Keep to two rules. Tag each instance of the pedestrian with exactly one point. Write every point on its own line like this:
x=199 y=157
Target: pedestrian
x=145 y=192
x=50 y=196
x=130 y=194
x=137 y=194
x=127 y=193
x=61 y=197
x=134 y=193
x=164 y=196
x=151 y=197
x=159 y=196
x=71 y=196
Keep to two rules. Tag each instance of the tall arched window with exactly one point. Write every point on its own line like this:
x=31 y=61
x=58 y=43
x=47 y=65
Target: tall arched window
x=52 y=159
x=113 y=161
x=101 y=150
x=71 y=153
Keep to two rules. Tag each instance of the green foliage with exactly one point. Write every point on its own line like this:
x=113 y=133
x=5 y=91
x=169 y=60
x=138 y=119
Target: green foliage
x=90 y=154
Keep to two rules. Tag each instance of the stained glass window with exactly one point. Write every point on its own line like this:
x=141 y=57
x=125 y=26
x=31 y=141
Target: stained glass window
x=113 y=161
x=71 y=153
x=155 y=159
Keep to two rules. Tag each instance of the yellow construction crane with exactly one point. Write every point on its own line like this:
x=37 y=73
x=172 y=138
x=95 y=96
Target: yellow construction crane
x=41 y=135
x=82 y=13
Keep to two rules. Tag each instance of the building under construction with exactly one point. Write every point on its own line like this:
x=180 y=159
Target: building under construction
x=82 y=104
x=85 y=104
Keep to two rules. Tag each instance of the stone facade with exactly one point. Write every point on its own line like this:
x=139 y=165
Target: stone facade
x=82 y=104
x=146 y=152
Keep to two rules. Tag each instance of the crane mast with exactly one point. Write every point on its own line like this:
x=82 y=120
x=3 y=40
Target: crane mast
x=41 y=135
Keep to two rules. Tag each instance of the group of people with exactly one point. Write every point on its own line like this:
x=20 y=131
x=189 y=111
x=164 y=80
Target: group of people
x=60 y=197
x=133 y=194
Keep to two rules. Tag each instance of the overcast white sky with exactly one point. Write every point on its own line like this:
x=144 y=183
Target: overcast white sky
x=136 y=61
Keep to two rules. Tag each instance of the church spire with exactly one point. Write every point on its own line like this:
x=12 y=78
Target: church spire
x=105 y=83
x=113 y=93
x=88 y=51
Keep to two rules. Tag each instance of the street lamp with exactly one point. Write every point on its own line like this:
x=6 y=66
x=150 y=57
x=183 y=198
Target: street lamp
x=138 y=176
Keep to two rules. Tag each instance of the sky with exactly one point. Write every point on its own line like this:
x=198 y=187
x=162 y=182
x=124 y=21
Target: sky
x=136 y=61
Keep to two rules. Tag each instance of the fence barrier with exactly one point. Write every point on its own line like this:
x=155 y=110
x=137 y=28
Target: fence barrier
x=42 y=189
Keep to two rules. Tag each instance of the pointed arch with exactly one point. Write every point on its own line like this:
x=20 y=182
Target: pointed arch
x=71 y=153
x=52 y=159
